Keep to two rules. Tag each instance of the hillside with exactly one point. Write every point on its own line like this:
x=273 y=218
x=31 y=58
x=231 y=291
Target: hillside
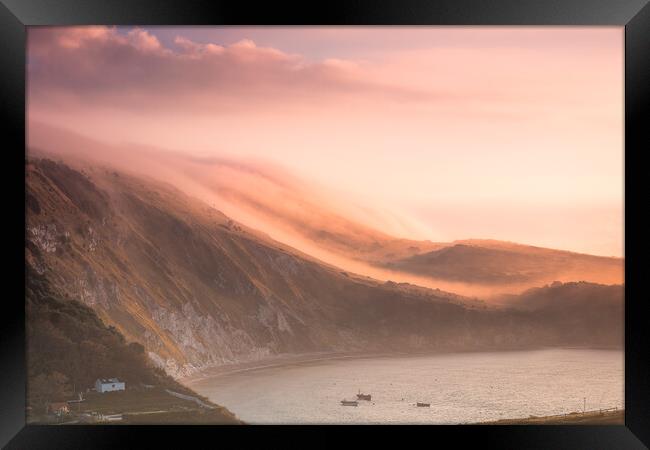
x=294 y=209
x=334 y=227
x=305 y=216
x=198 y=289
x=69 y=347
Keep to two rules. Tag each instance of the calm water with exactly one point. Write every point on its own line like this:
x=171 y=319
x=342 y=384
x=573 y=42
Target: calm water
x=464 y=387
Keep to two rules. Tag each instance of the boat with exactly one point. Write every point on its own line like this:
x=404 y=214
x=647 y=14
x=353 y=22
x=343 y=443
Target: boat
x=423 y=405
x=349 y=403
x=361 y=396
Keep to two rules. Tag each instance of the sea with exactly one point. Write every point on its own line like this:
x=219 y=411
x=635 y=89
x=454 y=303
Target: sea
x=459 y=387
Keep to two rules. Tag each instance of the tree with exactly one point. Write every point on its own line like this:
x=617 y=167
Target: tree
x=46 y=388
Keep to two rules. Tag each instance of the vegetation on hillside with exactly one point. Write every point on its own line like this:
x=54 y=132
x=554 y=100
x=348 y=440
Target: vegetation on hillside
x=69 y=347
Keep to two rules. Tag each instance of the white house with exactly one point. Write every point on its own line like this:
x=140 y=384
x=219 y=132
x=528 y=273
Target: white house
x=109 y=384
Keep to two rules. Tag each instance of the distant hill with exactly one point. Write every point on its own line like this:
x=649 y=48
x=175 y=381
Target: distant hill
x=495 y=262
x=197 y=289
x=572 y=296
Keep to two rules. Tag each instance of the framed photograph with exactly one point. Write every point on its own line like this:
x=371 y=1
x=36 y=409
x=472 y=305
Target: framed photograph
x=412 y=221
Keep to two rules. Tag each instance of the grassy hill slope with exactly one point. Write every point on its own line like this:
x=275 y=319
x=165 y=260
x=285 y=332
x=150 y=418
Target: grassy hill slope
x=69 y=347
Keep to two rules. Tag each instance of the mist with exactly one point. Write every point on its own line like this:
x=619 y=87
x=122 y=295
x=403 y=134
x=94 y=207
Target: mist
x=268 y=198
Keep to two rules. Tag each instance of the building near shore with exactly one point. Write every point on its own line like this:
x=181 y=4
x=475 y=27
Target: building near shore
x=109 y=384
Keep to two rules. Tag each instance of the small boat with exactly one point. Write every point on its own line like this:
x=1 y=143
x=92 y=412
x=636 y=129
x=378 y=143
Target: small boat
x=349 y=403
x=361 y=396
x=423 y=405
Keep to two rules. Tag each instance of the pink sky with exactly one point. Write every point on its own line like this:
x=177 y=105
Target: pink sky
x=481 y=132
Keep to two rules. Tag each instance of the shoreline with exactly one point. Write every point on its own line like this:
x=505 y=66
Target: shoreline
x=611 y=416
x=302 y=359
x=278 y=362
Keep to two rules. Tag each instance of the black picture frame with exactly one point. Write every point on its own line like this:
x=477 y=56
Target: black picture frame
x=634 y=15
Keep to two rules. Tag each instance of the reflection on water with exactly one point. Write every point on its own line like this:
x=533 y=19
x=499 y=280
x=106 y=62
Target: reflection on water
x=461 y=387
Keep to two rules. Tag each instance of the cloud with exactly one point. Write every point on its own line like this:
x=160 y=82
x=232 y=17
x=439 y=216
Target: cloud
x=133 y=70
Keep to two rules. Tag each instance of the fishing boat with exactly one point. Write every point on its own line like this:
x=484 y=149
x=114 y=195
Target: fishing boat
x=361 y=396
x=423 y=405
x=349 y=403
